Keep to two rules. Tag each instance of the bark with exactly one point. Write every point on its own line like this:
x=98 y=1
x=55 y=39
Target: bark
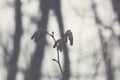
x=34 y=72
x=58 y=13
x=116 y=7
x=12 y=68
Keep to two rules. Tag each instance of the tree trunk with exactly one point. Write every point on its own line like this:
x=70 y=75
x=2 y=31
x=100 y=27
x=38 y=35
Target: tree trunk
x=33 y=73
x=12 y=68
x=104 y=45
x=57 y=9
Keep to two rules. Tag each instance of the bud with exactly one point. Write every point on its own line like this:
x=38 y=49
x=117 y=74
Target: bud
x=68 y=34
x=38 y=34
x=58 y=44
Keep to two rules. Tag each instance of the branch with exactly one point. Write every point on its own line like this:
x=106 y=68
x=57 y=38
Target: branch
x=58 y=57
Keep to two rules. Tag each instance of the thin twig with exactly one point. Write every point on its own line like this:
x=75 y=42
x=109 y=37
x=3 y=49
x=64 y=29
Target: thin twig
x=59 y=63
x=51 y=36
x=58 y=57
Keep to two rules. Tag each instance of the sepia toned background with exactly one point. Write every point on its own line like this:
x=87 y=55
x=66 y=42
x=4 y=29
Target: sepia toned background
x=95 y=54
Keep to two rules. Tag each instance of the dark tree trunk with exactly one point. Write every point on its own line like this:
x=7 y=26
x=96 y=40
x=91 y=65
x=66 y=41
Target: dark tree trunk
x=12 y=68
x=33 y=73
x=116 y=7
x=57 y=9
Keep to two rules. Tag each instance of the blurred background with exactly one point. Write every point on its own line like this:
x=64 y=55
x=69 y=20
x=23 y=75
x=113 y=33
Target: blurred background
x=95 y=54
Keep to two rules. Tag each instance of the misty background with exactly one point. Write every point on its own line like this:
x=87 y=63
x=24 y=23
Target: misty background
x=95 y=54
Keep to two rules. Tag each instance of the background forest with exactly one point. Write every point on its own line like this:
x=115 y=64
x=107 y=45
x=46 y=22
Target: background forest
x=95 y=54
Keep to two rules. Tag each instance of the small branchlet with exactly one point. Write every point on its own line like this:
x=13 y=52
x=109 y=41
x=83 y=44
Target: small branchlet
x=40 y=33
x=58 y=43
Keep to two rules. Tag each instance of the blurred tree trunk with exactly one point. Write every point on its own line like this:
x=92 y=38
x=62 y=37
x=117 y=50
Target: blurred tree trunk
x=57 y=9
x=12 y=68
x=106 y=57
x=33 y=73
x=116 y=7
x=105 y=45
